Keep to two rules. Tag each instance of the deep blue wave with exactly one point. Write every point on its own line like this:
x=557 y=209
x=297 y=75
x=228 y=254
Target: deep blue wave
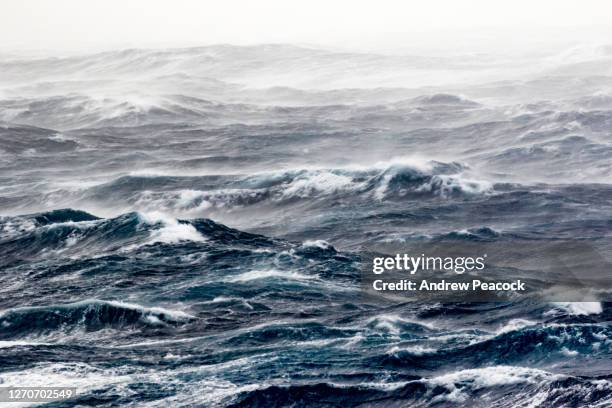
x=212 y=302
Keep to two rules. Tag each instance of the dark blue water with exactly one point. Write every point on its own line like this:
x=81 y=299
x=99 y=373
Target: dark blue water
x=186 y=247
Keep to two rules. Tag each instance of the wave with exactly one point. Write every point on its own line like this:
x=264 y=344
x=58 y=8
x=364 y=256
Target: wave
x=575 y=148
x=21 y=343
x=64 y=215
x=580 y=308
x=172 y=230
x=391 y=181
x=501 y=386
x=544 y=387
x=541 y=344
x=33 y=140
x=472 y=234
x=201 y=251
x=270 y=274
x=80 y=111
x=443 y=100
x=395 y=325
x=88 y=315
x=73 y=233
x=169 y=109
x=279 y=334
x=71 y=237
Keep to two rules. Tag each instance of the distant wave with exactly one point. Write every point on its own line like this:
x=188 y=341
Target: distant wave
x=394 y=181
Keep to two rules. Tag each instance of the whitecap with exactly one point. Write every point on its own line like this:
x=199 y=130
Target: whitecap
x=580 y=308
x=270 y=273
x=171 y=231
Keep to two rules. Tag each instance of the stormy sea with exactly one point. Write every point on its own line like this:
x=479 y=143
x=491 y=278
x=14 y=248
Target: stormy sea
x=184 y=227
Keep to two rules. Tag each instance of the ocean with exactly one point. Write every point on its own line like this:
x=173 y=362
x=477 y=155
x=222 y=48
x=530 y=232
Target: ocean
x=185 y=227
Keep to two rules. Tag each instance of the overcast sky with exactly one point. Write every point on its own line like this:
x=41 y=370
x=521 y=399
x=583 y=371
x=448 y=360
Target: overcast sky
x=379 y=24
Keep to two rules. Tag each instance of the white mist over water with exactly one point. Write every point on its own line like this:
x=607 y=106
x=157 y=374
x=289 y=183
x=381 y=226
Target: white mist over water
x=423 y=27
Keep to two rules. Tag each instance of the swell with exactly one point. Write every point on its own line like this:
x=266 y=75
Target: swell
x=198 y=258
x=538 y=346
x=383 y=182
x=88 y=315
x=68 y=231
x=502 y=386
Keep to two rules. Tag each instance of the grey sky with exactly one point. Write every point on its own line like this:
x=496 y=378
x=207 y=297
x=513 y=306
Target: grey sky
x=432 y=24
